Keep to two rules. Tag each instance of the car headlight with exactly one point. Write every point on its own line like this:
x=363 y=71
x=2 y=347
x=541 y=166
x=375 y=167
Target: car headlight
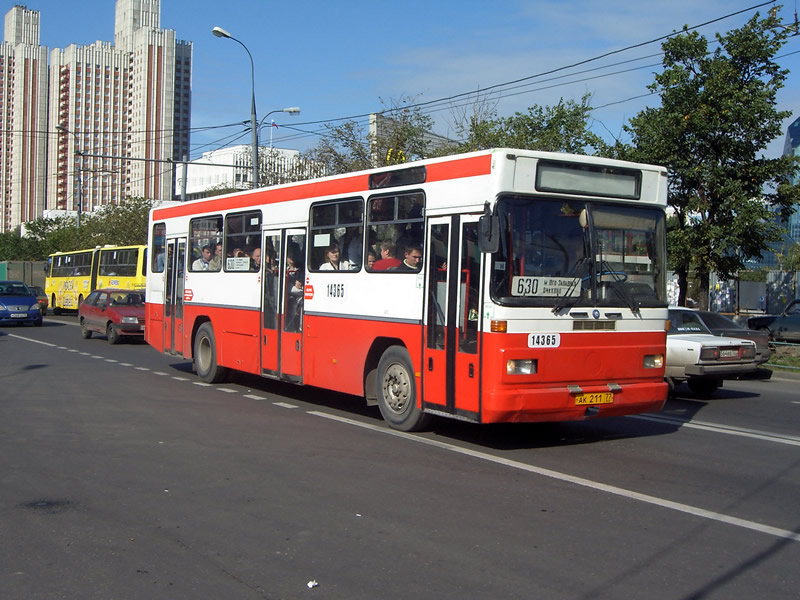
x=130 y=320
x=3 y=306
x=35 y=307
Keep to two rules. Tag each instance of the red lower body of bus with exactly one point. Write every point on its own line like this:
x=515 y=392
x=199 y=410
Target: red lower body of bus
x=342 y=354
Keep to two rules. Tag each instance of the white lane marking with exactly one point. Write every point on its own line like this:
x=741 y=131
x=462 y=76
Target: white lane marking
x=254 y=397
x=159 y=373
x=96 y=356
x=202 y=383
x=125 y=365
x=112 y=360
x=142 y=368
x=178 y=378
x=71 y=350
x=20 y=337
x=226 y=390
x=755 y=434
x=595 y=485
x=285 y=405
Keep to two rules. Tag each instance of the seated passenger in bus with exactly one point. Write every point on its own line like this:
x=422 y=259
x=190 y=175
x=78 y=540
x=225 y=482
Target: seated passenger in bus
x=332 y=262
x=204 y=262
x=387 y=259
x=216 y=261
x=412 y=260
x=370 y=260
x=255 y=259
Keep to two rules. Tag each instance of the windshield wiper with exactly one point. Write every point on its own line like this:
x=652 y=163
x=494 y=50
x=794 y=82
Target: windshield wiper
x=567 y=300
x=617 y=279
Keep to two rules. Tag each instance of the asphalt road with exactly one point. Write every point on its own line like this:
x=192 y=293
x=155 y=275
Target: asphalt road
x=123 y=476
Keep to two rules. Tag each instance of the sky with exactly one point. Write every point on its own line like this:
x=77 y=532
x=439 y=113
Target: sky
x=337 y=60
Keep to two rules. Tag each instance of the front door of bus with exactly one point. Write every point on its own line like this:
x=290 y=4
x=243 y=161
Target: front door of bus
x=173 y=296
x=451 y=374
x=282 y=304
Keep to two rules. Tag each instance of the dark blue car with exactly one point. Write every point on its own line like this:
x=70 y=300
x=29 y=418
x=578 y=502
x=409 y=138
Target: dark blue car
x=18 y=304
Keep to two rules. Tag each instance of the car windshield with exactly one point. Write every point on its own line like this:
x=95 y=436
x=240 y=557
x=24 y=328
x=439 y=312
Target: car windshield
x=127 y=299
x=685 y=321
x=558 y=253
x=14 y=289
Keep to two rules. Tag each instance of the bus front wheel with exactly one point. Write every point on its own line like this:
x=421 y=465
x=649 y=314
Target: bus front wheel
x=397 y=396
x=205 y=356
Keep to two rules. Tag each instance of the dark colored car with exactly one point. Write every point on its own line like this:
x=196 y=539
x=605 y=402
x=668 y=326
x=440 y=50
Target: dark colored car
x=18 y=304
x=784 y=327
x=114 y=313
x=41 y=297
x=722 y=325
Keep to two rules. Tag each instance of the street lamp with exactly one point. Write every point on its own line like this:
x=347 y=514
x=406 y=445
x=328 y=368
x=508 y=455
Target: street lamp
x=292 y=110
x=80 y=169
x=219 y=32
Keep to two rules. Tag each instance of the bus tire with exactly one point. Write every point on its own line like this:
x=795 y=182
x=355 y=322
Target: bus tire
x=396 y=391
x=205 y=356
x=56 y=309
x=112 y=334
x=86 y=333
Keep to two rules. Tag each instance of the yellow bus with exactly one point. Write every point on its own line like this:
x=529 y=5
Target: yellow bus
x=71 y=276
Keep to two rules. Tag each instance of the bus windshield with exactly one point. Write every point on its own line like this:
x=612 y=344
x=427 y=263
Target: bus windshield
x=559 y=254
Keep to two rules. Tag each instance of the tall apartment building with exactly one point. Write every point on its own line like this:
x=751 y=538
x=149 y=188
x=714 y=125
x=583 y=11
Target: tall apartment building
x=107 y=112
x=23 y=119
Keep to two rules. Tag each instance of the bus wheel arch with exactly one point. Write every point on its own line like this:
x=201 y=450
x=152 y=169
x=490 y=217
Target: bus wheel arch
x=396 y=391
x=204 y=351
x=379 y=346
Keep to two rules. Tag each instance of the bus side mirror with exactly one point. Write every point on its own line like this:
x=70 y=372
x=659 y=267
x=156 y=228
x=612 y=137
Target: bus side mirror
x=489 y=233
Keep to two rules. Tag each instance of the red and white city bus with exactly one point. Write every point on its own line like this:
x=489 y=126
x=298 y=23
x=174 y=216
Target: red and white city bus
x=500 y=285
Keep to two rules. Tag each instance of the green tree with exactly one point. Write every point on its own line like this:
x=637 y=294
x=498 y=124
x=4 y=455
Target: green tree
x=560 y=128
x=717 y=115
x=399 y=136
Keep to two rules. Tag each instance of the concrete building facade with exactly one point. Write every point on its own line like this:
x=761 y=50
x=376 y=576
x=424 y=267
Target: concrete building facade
x=95 y=129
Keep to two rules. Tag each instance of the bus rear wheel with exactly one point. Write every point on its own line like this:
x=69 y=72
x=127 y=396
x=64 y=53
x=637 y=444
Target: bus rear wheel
x=397 y=396
x=56 y=309
x=205 y=356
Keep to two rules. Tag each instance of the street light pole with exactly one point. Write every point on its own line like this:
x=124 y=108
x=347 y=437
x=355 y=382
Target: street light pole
x=219 y=32
x=292 y=110
x=80 y=170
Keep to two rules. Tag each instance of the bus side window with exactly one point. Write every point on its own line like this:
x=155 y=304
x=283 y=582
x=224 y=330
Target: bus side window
x=395 y=225
x=337 y=226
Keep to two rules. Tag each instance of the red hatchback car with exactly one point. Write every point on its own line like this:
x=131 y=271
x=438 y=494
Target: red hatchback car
x=115 y=313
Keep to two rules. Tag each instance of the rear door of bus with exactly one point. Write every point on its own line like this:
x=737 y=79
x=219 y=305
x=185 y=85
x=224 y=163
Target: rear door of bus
x=173 y=296
x=450 y=370
x=282 y=304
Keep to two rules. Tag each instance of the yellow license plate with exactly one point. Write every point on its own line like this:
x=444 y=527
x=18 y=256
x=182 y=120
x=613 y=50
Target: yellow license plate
x=598 y=398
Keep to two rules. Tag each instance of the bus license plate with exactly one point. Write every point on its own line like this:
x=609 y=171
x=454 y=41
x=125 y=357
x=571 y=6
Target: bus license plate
x=597 y=398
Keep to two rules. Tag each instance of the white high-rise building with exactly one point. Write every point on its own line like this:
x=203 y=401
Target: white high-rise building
x=115 y=112
x=23 y=119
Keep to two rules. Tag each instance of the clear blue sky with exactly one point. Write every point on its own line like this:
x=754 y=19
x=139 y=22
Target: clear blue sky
x=339 y=59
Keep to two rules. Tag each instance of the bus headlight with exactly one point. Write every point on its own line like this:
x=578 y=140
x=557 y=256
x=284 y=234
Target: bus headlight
x=653 y=361
x=521 y=367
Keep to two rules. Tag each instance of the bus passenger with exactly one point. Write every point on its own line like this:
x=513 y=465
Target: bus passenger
x=370 y=260
x=413 y=259
x=216 y=261
x=332 y=262
x=204 y=262
x=387 y=259
x=255 y=259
